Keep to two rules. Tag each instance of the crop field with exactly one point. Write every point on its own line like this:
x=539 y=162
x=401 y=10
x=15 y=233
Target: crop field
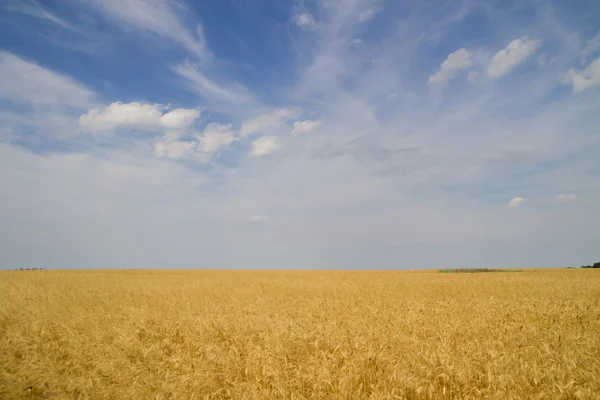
x=300 y=334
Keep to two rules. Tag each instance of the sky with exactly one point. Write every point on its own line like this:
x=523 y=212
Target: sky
x=289 y=134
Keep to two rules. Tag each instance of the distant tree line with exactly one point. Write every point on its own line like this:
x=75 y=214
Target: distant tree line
x=596 y=265
x=31 y=269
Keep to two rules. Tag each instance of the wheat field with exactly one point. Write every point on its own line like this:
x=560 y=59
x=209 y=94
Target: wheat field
x=299 y=335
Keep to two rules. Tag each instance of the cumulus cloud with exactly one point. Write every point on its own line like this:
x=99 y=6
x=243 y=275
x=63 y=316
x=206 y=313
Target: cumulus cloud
x=268 y=123
x=256 y=219
x=176 y=150
x=586 y=79
x=517 y=52
x=457 y=60
x=179 y=118
x=265 y=145
x=515 y=202
x=564 y=198
x=215 y=138
x=137 y=115
x=116 y=114
x=212 y=140
x=304 y=126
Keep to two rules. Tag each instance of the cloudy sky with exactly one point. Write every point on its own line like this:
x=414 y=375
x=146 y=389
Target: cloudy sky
x=367 y=134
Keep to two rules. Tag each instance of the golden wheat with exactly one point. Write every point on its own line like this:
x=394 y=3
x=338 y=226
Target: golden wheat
x=299 y=335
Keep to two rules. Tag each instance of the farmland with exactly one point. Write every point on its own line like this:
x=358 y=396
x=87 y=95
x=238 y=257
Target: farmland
x=299 y=334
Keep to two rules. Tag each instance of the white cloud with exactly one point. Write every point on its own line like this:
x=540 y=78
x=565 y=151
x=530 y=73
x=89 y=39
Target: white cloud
x=137 y=114
x=457 y=60
x=179 y=118
x=173 y=20
x=256 y=219
x=34 y=9
x=304 y=20
x=388 y=168
x=586 y=79
x=215 y=137
x=265 y=145
x=305 y=126
x=226 y=97
x=159 y=17
x=515 y=202
x=38 y=100
x=517 y=52
x=25 y=82
x=366 y=15
x=176 y=150
x=269 y=123
x=564 y=198
x=150 y=116
x=119 y=114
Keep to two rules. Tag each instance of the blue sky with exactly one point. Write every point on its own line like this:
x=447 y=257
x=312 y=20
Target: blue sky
x=351 y=134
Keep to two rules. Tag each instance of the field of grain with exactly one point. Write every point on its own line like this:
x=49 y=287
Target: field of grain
x=299 y=335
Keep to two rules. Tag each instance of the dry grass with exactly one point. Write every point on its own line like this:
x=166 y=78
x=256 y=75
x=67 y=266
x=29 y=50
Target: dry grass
x=296 y=335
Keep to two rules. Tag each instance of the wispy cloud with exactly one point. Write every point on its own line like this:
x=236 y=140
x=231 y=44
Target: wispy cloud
x=39 y=99
x=565 y=198
x=34 y=9
x=25 y=82
x=256 y=219
x=227 y=97
x=163 y=18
